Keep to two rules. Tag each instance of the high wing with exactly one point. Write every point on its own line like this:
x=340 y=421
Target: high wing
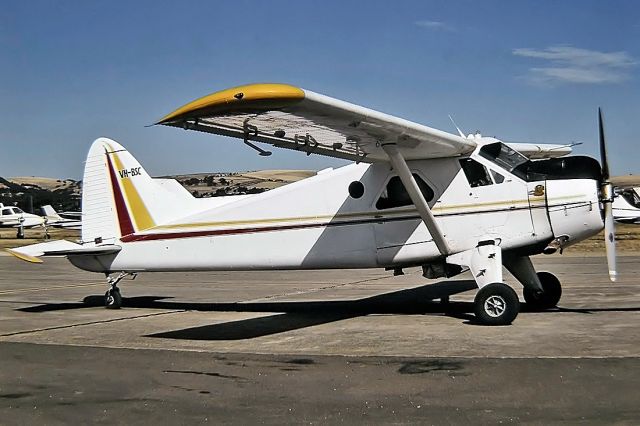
x=289 y=117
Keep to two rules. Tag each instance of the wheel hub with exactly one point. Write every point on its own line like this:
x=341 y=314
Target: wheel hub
x=495 y=306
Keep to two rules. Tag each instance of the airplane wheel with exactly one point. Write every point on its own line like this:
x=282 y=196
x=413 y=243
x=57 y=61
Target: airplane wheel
x=496 y=304
x=112 y=299
x=549 y=298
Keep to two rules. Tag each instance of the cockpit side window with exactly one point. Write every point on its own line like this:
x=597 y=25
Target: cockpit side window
x=17 y=210
x=395 y=194
x=476 y=173
x=497 y=177
x=6 y=212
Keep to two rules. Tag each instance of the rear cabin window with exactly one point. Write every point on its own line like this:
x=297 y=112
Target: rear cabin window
x=476 y=173
x=395 y=194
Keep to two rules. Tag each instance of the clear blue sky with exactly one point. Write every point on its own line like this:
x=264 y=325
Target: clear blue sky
x=519 y=70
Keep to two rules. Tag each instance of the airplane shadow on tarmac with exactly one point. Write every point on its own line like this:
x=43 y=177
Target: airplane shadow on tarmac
x=297 y=315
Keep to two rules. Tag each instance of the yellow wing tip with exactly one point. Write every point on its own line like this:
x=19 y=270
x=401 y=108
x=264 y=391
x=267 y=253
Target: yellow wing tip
x=25 y=257
x=248 y=96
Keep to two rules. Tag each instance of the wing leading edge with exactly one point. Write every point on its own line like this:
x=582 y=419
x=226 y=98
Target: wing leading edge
x=289 y=117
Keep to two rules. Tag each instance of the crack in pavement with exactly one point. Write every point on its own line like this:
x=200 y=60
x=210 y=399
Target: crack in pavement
x=60 y=327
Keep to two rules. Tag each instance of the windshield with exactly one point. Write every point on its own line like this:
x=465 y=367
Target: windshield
x=503 y=156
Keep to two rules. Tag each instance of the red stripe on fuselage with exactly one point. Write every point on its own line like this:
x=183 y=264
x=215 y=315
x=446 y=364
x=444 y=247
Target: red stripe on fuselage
x=237 y=231
x=126 y=227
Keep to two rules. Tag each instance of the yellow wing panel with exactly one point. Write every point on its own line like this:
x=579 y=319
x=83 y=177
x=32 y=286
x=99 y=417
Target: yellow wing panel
x=241 y=98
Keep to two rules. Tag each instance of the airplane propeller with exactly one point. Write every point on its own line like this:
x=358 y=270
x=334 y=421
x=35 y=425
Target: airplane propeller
x=607 y=195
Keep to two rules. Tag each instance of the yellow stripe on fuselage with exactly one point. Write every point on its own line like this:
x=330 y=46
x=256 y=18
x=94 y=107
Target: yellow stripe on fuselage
x=444 y=210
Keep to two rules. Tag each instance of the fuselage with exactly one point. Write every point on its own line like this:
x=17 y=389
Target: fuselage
x=358 y=216
x=14 y=217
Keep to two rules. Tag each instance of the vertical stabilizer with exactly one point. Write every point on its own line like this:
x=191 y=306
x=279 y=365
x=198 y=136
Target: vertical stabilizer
x=119 y=197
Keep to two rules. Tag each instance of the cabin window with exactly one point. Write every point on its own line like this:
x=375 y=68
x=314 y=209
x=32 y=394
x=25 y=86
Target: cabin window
x=356 y=189
x=16 y=210
x=395 y=194
x=475 y=172
x=497 y=177
x=6 y=212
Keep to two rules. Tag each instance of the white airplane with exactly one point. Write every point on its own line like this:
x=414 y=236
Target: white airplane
x=55 y=219
x=14 y=217
x=413 y=196
x=626 y=206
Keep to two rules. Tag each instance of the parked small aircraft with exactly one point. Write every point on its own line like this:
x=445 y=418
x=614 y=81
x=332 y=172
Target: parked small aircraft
x=55 y=219
x=626 y=206
x=14 y=217
x=413 y=196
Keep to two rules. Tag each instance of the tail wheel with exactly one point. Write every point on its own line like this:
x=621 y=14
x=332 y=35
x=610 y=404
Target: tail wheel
x=113 y=299
x=550 y=296
x=496 y=304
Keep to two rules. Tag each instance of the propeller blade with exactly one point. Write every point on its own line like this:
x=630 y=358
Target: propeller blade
x=603 y=147
x=610 y=241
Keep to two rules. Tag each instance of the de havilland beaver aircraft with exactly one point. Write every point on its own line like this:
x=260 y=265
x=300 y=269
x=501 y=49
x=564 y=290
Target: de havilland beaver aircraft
x=413 y=196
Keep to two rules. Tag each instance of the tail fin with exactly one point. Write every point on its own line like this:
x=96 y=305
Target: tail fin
x=50 y=212
x=119 y=197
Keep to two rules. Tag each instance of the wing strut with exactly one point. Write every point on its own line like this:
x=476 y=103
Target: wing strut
x=400 y=166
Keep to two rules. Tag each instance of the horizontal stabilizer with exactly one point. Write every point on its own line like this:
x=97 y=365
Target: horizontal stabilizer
x=32 y=252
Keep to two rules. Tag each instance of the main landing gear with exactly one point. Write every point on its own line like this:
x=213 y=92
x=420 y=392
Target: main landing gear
x=548 y=298
x=112 y=298
x=497 y=303
x=542 y=290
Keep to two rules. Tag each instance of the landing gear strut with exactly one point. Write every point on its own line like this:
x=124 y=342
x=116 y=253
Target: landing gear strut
x=112 y=298
x=542 y=290
x=495 y=303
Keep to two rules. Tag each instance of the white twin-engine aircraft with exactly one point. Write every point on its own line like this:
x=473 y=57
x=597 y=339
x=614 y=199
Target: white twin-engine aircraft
x=14 y=217
x=414 y=196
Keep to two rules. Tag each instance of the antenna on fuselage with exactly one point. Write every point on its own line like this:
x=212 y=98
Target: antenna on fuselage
x=457 y=128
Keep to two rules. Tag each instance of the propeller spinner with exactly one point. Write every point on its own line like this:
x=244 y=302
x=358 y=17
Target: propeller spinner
x=607 y=195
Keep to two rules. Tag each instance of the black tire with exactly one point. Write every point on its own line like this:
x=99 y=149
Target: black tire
x=549 y=298
x=496 y=304
x=113 y=299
